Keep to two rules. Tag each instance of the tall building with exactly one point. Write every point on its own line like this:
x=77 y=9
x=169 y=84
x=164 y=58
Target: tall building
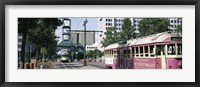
x=78 y=37
x=174 y=22
x=136 y=24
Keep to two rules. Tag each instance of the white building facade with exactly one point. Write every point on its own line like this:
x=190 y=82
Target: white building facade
x=174 y=22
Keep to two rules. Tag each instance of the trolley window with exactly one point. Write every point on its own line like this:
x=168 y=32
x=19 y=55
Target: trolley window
x=124 y=53
x=171 y=49
x=115 y=54
x=179 y=46
x=128 y=53
x=151 y=51
x=141 y=51
x=146 y=51
x=137 y=51
x=133 y=54
x=159 y=49
x=111 y=53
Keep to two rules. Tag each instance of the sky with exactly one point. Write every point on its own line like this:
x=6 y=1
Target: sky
x=77 y=24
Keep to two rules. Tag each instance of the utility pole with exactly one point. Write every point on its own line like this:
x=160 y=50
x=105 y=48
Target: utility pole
x=84 y=24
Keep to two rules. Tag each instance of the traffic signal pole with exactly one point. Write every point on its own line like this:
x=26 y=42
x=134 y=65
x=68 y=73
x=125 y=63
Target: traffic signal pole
x=85 y=22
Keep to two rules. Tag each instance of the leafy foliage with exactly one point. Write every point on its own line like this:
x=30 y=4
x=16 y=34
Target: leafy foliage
x=94 y=53
x=98 y=53
x=127 y=30
x=150 y=26
x=179 y=28
x=112 y=36
x=88 y=53
x=38 y=31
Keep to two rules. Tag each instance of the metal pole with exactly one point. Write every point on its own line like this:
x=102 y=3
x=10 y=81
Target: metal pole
x=85 y=22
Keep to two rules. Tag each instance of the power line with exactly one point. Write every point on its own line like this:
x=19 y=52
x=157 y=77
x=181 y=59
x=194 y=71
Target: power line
x=79 y=23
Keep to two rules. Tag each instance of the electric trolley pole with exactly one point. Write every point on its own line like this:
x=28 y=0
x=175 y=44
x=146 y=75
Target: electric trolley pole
x=84 y=24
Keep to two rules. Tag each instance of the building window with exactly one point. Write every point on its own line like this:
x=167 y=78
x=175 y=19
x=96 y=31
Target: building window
x=100 y=19
x=19 y=46
x=135 y=25
x=19 y=40
x=171 y=21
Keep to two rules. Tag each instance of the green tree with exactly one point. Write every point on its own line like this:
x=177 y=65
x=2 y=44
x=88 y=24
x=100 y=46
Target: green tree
x=92 y=55
x=24 y=25
x=97 y=53
x=150 y=26
x=179 y=28
x=110 y=37
x=127 y=29
x=44 y=35
x=38 y=31
x=88 y=53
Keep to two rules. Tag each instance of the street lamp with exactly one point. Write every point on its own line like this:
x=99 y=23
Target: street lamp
x=84 y=24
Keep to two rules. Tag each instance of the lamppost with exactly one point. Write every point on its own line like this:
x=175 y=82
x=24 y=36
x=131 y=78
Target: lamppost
x=84 y=24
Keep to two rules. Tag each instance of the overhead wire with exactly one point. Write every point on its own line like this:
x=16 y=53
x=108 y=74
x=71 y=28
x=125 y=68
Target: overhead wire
x=78 y=23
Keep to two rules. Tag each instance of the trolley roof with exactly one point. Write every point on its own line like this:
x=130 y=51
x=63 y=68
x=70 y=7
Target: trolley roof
x=159 y=37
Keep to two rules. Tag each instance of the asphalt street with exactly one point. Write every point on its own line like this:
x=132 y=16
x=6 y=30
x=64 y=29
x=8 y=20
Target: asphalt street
x=77 y=65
